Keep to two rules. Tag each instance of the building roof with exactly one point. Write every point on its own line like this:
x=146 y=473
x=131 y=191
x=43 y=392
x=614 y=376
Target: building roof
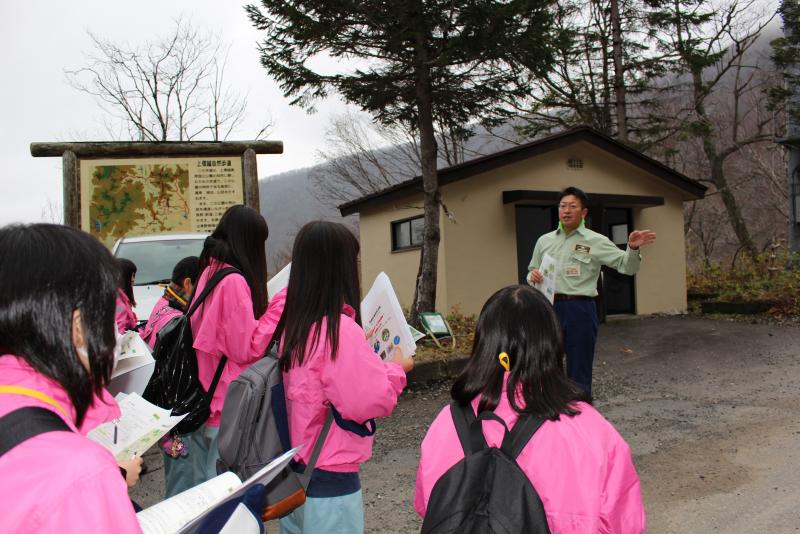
x=693 y=188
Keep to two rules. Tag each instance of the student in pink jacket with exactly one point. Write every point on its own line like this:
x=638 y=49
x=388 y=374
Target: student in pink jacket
x=327 y=362
x=173 y=302
x=57 y=293
x=169 y=306
x=125 y=317
x=233 y=321
x=577 y=462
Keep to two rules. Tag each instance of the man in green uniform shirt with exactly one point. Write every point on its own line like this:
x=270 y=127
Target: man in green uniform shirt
x=579 y=253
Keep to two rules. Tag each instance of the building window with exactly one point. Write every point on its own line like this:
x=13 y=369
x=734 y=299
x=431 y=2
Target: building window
x=407 y=233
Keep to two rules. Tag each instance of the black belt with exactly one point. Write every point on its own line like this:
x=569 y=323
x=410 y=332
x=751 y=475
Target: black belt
x=561 y=296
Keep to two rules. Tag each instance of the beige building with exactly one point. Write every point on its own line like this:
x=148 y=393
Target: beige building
x=500 y=204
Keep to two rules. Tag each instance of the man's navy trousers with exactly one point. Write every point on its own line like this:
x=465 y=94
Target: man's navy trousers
x=578 y=320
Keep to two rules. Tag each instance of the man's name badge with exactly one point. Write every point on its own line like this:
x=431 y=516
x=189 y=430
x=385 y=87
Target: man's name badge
x=582 y=248
x=572 y=270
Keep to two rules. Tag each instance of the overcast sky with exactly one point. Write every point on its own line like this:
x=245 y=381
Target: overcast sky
x=39 y=39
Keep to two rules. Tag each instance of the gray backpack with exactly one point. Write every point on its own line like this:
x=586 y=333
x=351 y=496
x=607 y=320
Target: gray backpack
x=254 y=429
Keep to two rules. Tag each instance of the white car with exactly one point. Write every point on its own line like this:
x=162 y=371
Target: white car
x=155 y=256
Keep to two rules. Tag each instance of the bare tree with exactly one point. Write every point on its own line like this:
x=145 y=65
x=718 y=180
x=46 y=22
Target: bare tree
x=52 y=212
x=702 y=229
x=168 y=89
x=603 y=75
x=362 y=158
x=719 y=84
x=365 y=157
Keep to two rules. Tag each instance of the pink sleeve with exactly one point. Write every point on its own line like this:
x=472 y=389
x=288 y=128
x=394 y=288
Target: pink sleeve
x=268 y=322
x=99 y=503
x=228 y=326
x=420 y=495
x=119 y=319
x=124 y=315
x=359 y=384
x=621 y=509
x=440 y=450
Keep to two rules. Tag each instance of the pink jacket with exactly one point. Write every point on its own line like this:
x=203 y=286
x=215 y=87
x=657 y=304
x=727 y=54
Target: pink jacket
x=124 y=316
x=359 y=384
x=224 y=324
x=161 y=314
x=580 y=466
x=59 y=481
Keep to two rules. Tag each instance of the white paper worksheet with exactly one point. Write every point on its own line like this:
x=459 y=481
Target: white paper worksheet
x=384 y=322
x=548 y=270
x=279 y=281
x=167 y=517
x=185 y=511
x=134 y=365
x=140 y=426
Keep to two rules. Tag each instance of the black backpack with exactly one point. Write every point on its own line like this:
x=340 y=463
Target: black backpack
x=486 y=492
x=174 y=384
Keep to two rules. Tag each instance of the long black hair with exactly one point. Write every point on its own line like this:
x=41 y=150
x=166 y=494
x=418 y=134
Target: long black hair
x=239 y=241
x=47 y=272
x=323 y=278
x=519 y=321
x=126 y=270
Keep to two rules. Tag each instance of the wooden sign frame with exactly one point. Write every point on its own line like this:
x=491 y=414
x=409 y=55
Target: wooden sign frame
x=72 y=153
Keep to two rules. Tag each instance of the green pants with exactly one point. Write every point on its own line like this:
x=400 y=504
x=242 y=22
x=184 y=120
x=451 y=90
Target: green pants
x=331 y=515
x=199 y=465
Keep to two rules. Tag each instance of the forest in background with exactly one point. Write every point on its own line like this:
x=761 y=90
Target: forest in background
x=719 y=128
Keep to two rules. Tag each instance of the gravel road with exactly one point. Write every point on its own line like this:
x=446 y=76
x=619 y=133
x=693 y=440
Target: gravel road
x=708 y=407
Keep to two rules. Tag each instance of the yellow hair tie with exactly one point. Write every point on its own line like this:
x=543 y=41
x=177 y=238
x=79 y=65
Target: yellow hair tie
x=504 y=361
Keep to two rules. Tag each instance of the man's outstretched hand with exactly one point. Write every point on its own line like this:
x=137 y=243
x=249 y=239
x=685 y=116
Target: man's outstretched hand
x=641 y=238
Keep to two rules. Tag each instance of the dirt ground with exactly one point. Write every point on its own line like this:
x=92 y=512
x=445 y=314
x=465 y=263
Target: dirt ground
x=707 y=406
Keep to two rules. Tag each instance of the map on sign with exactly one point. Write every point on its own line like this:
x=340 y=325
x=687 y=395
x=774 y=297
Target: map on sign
x=150 y=196
x=129 y=197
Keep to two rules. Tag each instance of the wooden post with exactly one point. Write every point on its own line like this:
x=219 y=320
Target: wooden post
x=72 y=189
x=250 y=171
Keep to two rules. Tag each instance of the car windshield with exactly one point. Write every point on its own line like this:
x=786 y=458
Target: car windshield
x=155 y=259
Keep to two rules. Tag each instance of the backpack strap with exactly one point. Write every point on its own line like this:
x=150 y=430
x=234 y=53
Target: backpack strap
x=307 y=472
x=463 y=417
x=210 y=285
x=365 y=429
x=326 y=426
x=25 y=423
x=214 y=381
x=521 y=434
x=323 y=434
x=195 y=303
x=276 y=335
x=470 y=430
x=476 y=438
